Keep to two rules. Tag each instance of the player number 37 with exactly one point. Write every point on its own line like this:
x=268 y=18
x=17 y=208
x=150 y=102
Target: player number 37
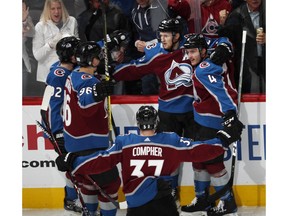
x=158 y=164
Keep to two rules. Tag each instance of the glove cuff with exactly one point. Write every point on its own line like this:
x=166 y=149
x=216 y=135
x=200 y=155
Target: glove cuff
x=224 y=137
x=59 y=135
x=96 y=96
x=227 y=46
x=69 y=159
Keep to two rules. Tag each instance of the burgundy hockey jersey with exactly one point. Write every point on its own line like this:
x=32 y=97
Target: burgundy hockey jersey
x=85 y=121
x=146 y=158
x=175 y=75
x=214 y=94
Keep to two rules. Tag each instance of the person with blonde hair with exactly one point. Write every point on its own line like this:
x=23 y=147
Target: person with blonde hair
x=28 y=30
x=55 y=23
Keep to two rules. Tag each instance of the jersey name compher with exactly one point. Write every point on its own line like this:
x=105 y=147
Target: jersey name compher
x=147 y=150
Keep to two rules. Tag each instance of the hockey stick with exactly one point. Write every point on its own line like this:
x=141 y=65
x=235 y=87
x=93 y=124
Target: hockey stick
x=57 y=149
x=107 y=75
x=49 y=91
x=119 y=205
x=228 y=186
x=122 y=205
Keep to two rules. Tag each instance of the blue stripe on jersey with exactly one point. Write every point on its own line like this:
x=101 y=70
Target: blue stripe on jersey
x=172 y=105
x=208 y=120
x=74 y=144
x=143 y=194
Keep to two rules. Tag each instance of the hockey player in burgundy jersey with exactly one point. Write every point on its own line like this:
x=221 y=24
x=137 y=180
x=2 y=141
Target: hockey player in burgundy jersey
x=167 y=61
x=175 y=93
x=56 y=78
x=174 y=72
x=215 y=108
x=86 y=124
x=146 y=162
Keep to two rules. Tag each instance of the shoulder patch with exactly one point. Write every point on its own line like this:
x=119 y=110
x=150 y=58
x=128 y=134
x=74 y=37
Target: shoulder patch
x=59 y=72
x=151 y=46
x=86 y=76
x=204 y=64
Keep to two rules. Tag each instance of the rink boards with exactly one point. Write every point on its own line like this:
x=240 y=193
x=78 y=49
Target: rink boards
x=43 y=184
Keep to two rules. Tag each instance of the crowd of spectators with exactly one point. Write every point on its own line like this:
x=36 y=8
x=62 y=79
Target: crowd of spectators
x=211 y=17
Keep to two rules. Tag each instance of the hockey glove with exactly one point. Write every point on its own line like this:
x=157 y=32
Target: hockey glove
x=60 y=141
x=64 y=162
x=117 y=38
x=230 y=134
x=229 y=118
x=103 y=89
x=221 y=54
x=232 y=128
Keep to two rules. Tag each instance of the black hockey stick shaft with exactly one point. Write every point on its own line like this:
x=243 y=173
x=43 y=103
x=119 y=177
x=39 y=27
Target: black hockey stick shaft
x=52 y=139
x=115 y=203
x=107 y=75
x=228 y=186
x=114 y=126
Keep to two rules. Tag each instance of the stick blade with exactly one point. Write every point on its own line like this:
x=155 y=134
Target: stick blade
x=49 y=91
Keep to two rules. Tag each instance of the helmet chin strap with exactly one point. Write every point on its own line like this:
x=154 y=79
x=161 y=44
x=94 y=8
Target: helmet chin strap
x=173 y=47
x=174 y=43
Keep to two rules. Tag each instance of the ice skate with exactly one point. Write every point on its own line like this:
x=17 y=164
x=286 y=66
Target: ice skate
x=73 y=205
x=224 y=207
x=198 y=207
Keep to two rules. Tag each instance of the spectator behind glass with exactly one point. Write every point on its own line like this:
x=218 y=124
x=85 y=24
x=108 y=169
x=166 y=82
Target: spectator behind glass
x=213 y=13
x=28 y=30
x=146 y=17
x=91 y=23
x=248 y=16
x=55 y=23
x=80 y=6
x=91 y=28
x=236 y=3
x=126 y=6
x=74 y=7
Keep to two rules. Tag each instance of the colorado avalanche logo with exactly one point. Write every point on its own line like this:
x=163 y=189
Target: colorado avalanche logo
x=204 y=64
x=211 y=26
x=59 y=72
x=178 y=74
x=151 y=46
x=86 y=76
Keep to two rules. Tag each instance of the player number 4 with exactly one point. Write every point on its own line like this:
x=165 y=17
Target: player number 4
x=212 y=78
